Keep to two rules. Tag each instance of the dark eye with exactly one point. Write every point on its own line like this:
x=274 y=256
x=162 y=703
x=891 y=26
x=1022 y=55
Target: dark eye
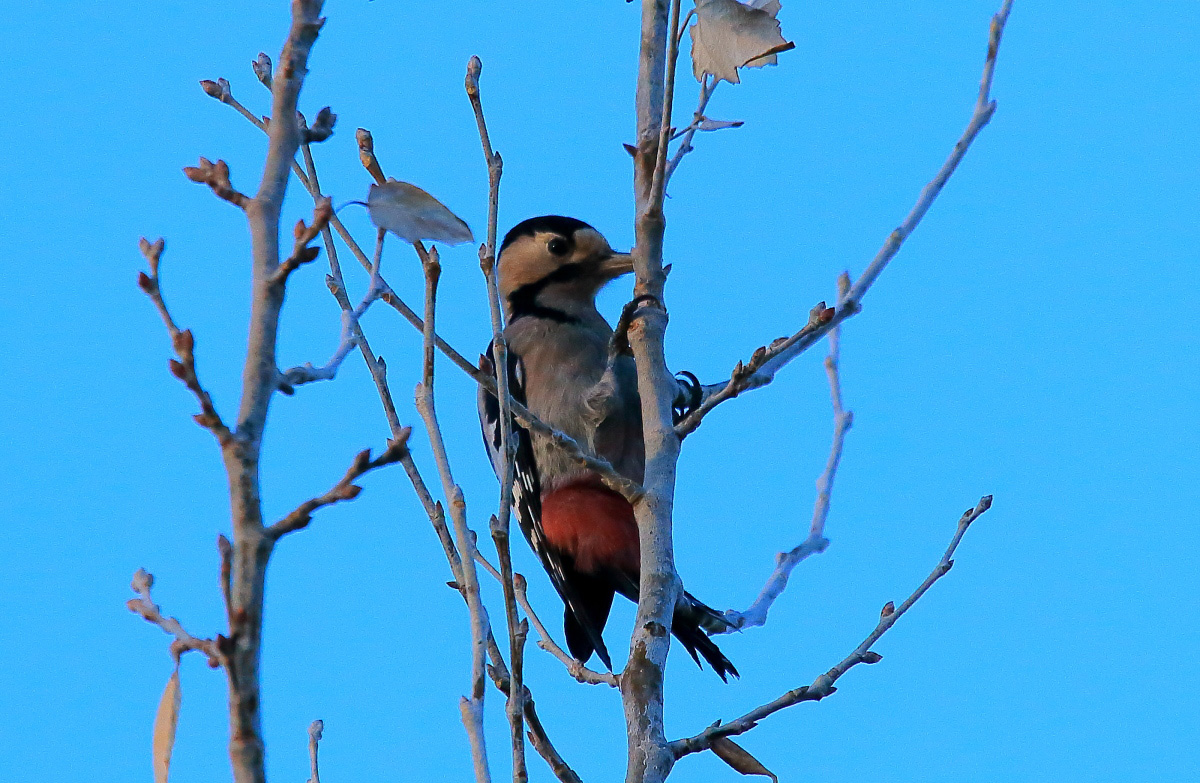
x=558 y=246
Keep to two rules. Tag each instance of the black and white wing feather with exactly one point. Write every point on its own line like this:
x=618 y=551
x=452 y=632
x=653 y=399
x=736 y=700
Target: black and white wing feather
x=527 y=495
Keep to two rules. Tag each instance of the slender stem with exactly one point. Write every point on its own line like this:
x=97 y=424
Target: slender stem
x=816 y=542
x=824 y=685
x=785 y=351
x=574 y=667
x=501 y=522
x=472 y=707
x=685 y=143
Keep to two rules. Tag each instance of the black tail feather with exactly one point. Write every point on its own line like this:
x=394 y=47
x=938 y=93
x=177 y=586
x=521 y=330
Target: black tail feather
x=695 y=640
x=594 y=599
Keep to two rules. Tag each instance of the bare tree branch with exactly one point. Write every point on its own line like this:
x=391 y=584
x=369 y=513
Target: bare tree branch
x=350 y=332
x=824 y=685
x=575 y=667
x=144 y=605
x=315 y=731
x=500 y=522
x=251 y=546
x=344 y=489
x=541 y=743
x=816 y=542
x=798 y=343
x=744 y=375
x=184 y=344
x=649 y=760
x=472 y=707
x=216 y=176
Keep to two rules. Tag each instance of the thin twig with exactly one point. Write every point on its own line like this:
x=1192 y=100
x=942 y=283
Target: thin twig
x=216 y=176
x=816 y=542
x=472 y=707
x=305 y=233
x=798 y=343
x=687 y=134
x=500 y=522
x=575 y=667
x=541 y=743
x=183 y=368
x=344 y=489
x=349 y=333
x=315 y=731
x=144 y=605
x=824 y=685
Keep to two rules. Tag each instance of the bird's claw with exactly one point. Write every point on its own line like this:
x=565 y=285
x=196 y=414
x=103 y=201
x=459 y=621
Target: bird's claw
x=619 y=344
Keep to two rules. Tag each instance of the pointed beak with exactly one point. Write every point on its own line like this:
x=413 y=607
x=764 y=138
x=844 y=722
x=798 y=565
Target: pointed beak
x=616 y=265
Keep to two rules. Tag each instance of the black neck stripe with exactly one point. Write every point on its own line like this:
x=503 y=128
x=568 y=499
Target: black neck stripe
x=523 y=301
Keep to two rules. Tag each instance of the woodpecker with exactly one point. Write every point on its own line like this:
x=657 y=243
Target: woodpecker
x=550 y=270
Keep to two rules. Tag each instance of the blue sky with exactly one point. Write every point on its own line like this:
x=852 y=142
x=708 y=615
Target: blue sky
x=1036 y=339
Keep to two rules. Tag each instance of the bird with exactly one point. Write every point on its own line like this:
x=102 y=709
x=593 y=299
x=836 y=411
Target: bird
x=562 y=367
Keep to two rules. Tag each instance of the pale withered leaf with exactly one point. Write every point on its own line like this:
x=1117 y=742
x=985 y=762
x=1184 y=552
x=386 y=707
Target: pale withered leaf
x=413 y=215
x=729 y=35
x=711 y=125
x=165 y=722
x=740 y=759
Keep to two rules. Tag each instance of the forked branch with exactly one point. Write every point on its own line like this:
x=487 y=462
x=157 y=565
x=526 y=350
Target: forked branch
x=785 y=351
x=824 y=685
x=144 y=605
x=816 y=542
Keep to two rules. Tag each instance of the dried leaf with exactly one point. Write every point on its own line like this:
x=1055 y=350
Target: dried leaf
x=737 y=757
x=712 y=125
x=729 y=35
x=413 y=215
x=164 y=727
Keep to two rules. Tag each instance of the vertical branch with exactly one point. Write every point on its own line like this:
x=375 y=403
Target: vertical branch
x=472 y=708
x=500 y=527
x=649 y=758
x=816 y=542
x=251 y=548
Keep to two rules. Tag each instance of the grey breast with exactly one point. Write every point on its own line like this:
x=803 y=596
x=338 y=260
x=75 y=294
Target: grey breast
x=567 y=387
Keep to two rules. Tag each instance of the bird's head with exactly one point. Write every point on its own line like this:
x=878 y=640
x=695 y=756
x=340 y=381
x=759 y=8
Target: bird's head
x=553 y=267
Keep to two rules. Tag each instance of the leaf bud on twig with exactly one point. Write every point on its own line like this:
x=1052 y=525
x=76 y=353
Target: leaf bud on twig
x=262 y=69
